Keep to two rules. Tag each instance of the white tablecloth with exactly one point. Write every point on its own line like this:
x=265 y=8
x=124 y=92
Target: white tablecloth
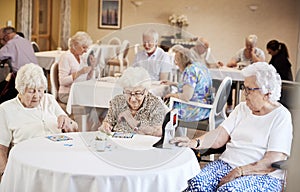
x=222 y=72
x=98 y=93
x=47 y=58
x=234 y=73
x=131 y=165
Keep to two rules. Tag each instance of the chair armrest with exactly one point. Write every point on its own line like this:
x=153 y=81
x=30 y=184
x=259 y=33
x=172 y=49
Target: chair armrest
x=196 y=104
x=283 y=164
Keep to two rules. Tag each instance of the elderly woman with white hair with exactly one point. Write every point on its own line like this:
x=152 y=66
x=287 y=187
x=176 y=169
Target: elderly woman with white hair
x=257 y=133
x=69 y=68
x=32 y=113
x=136 y=110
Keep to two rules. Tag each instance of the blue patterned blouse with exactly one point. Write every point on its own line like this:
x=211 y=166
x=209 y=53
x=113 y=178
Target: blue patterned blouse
x=197 y=76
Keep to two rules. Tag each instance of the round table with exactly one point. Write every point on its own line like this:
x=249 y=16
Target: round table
x=132 y=164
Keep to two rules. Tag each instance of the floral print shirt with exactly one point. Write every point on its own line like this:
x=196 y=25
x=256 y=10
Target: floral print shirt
x=151 y=113
x=197 y=76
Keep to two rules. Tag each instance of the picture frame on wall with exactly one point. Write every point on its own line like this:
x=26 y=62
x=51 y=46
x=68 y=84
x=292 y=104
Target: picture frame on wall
x=109 y=14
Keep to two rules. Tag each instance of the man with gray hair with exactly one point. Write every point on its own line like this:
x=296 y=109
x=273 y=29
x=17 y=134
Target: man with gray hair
x=244 y=57
x=249 y=54
x=201 y=52
x=153 y=58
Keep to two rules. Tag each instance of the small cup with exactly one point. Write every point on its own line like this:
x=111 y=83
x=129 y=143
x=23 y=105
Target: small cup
x=100 y=145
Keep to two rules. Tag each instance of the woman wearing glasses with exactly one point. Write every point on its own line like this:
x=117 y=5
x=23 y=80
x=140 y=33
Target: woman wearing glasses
x=136 y=110
x=257 y=133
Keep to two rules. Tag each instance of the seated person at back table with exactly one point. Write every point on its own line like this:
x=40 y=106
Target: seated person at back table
x=195 y=85
x=153 y=58
x=18 y=51
x=201 y=52
x=246 y=56
x=136 y=110
x=32 y=113
x=69 y=65
x=257 y=133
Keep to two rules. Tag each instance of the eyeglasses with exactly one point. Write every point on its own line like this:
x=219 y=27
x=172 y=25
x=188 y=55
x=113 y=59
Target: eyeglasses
x=249 y=89
x=137 y=94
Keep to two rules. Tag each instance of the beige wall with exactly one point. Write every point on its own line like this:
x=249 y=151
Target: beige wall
x=225 y=23
x=7 y=12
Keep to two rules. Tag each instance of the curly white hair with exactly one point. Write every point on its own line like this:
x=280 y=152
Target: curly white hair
x=267 y=79
x=134 y=77
x=30 y=76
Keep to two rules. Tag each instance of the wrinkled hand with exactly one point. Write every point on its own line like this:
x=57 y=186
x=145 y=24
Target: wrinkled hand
x=85 y=70
x=181 y=142
x=166 y=82
x=66 y=124
x=235 y=173
x=105 y=127
x=127 y=116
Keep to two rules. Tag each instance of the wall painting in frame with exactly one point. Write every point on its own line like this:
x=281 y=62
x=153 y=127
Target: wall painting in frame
x=109 y=14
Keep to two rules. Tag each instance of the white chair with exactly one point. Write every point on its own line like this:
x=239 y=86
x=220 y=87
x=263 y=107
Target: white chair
x=79 y=114
x=121 y=60
x=114 y=41
x=35 y=46
x=54 y=83
x=216 y=117
x=217 y=108
x=136 y=48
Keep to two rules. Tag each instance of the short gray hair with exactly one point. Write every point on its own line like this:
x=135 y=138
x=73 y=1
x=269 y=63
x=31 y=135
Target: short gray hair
x=152 y=33
x=30 y=76
x=134 y=77
x=80 y=38
x=267 y=79
x=252 y=39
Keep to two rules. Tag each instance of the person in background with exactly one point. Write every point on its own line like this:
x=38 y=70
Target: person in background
x=195 y=85
x=17 y=48
x=280 y=59
x=32 y=113
x=136 y=110
x=15 y=52
x=257 y=133
x=201 y=52
x=153 y=58
x=20 y=34
x=244 y=57
x=70 y=65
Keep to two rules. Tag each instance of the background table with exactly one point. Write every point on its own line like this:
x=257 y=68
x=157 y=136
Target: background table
x=98 y=93
x=47 y=58
x=234 y=73
x=40 y=164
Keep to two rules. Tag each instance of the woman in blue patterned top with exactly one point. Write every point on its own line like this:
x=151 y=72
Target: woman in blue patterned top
x=195 y=85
